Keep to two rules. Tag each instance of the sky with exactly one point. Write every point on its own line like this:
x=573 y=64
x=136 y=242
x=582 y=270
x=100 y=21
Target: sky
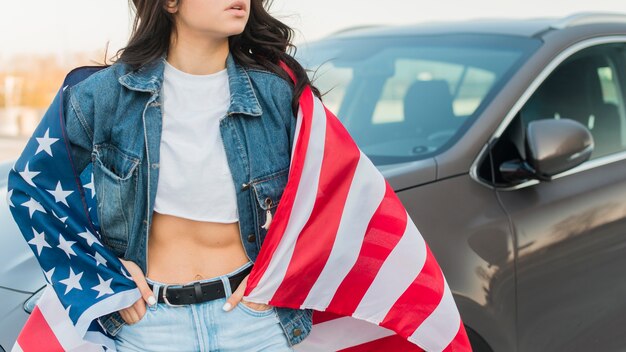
x=59 y=27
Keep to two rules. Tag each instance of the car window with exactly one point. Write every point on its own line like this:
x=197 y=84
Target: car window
x=407 y=98
x=588 y=88
x=462 y=87
x=336 y=85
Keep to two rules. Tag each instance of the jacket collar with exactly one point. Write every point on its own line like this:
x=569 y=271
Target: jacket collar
x=243 y=100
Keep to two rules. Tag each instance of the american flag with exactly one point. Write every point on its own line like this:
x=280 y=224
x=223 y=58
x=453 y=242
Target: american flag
x=85 y=280
x=340 y=242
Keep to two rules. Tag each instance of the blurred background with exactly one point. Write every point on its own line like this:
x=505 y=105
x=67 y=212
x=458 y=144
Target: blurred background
x=43 y=40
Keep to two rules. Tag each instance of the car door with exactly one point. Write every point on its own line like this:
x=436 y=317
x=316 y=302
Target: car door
x=571 y=231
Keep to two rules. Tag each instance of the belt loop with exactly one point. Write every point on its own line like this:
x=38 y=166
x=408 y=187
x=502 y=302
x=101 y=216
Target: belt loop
x=226 y=282
x=155 y=289
x=198 y=291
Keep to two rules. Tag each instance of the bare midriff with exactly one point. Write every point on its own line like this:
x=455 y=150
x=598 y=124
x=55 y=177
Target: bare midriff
x=182 y=250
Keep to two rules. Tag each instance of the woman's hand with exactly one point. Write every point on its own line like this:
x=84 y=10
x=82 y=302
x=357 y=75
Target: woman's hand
x=237 y=296
x=134 y=313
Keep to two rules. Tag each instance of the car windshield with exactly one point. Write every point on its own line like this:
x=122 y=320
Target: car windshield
x=406 y=98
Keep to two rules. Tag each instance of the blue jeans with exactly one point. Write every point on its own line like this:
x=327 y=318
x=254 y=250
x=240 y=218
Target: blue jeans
x=204 y=326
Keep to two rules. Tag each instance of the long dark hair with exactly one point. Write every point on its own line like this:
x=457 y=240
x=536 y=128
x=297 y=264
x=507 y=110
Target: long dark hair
x=264 y=41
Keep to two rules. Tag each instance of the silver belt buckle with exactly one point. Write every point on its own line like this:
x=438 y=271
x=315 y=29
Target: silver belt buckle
x=167 y=301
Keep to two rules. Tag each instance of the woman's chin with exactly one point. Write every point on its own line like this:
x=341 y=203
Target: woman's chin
x=226 y=30
x=235 y=29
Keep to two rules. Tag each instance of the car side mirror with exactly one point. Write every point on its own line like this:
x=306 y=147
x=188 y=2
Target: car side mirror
x=552 y=147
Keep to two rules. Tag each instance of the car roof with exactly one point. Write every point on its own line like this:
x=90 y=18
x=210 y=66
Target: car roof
x=517 y=27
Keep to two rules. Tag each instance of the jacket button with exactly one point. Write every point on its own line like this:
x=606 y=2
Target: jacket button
x=155 y=165
x=297 y=332
x=251 y=237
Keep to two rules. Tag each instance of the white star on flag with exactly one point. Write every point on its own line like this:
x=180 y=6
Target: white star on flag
x=72 y=282
x=45 y=143
x=90 y=186
x=87 y=235
x=62 y=219
x=66 y=246
x=59 y=194
x=103 y=288
x=29 y=175
x=9 y=195
x=40 y=241
x=33 y=206
x=49 y=274
x=99 y=259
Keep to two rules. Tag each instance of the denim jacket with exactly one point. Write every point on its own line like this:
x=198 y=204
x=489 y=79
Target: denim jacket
x=114 y=121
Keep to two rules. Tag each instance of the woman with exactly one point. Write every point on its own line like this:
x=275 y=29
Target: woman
x=187 y=206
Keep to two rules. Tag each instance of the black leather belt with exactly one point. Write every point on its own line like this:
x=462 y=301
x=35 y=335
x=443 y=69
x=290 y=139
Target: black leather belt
x=176 y=295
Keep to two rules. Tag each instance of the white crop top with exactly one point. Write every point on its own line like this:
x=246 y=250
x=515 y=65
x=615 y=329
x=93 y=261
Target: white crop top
x=194 y=178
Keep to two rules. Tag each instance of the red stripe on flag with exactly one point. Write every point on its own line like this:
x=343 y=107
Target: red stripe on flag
x=289 y=193
x=321 y=316
x=36 y=335
x=383 y=233
x=389 y=343
x=427 y=289
x=320 y=230
x=460 y=341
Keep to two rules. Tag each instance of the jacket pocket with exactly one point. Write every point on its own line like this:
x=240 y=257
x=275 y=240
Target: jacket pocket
x=115 y=179
x=267 y=191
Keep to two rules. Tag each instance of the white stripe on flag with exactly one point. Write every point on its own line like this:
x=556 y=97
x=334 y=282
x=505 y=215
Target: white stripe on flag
x=341 y=333
x=441 y=326
x=119 y=300
x=302 y=207
x=364 y=196
x=60 y=323
x=396 y=274
x=296 y=133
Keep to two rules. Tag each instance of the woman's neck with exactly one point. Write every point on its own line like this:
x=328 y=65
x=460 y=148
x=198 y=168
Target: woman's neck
x=197 y=55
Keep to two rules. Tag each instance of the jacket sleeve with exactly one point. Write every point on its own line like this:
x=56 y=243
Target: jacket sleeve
x=80 y=141
x=79 y=131
x=283 y=94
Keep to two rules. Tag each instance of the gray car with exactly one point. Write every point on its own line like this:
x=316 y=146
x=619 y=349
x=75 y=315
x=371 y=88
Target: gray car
x=506 y=141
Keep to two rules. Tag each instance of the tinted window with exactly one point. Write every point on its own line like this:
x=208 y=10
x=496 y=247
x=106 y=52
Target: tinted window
x=588 y=88
x=407 y=98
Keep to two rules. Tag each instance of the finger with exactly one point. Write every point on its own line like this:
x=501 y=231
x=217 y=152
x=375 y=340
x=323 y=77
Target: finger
x=125 y=316
x=132 y=315
x=125 y=313
x=257 y=306
x=146 y=292
x=236 y=296
x=140 y=308
x=140 y=280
